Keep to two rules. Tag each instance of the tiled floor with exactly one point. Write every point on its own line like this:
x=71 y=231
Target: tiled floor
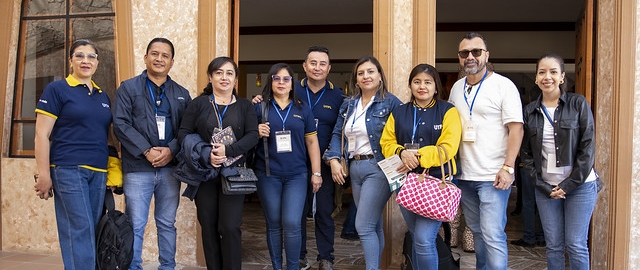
x=256 y=256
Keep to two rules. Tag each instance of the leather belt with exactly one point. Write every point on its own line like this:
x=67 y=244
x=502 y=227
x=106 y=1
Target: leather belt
x=362 y=157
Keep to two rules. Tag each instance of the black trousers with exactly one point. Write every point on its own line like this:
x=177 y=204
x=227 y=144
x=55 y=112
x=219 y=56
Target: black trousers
x=220 y=217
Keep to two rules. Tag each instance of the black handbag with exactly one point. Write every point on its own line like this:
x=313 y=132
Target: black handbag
x=238 y=180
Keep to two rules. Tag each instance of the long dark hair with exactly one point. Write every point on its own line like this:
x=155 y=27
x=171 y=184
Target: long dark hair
x=353 y=82
x=267 y=91
x=431 y=71
x=216 y=64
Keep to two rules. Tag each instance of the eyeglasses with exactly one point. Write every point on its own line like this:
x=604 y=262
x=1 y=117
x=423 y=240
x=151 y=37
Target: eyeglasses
x=475 y=52
x=277 y=78
x=81 y=56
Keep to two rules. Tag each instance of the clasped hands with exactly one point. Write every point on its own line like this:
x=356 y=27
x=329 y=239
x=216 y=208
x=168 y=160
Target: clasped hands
x=159 y=156
x=217 y=155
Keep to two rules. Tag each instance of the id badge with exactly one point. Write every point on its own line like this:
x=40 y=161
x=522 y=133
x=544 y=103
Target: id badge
x=469 y=132
x=160 y=121
x=283 y=141
x=551 y=165
x=351 y=143
x=412 y=147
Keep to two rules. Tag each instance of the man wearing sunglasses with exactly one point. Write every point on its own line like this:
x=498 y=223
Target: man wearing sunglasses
x=491 y=115
x=324 y=100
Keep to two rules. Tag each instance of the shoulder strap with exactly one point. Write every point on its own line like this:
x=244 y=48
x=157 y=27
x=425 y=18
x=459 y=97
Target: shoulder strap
x=265 y=114
x=109 y=203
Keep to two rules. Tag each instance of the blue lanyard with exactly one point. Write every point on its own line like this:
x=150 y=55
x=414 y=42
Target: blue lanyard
x=477 y=91
x=220 y=116
x=546 y=113
x=153 y=96
x=354 y=113
x=309 y=98
x=278 y=111
x=415 y=124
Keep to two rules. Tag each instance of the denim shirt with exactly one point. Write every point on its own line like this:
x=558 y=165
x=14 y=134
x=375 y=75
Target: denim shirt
x=376 y=117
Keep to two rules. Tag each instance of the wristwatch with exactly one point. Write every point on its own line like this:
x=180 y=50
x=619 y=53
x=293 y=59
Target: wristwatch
x=508 y=168
x=318 y=174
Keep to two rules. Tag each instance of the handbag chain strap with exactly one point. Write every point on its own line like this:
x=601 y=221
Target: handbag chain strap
x=342 y=137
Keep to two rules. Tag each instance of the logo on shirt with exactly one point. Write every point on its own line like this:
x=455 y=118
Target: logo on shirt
x=43 y=101
x=180 y=98
x=437 y=127
x=105 y=105
x=297 y=116
x=327 y=107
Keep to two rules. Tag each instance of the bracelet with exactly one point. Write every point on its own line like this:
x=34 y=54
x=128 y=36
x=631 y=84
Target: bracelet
x=146 y=152
x=400 y=152
x=318 y=174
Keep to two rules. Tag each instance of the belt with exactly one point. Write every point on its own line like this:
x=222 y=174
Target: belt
x=362 y=157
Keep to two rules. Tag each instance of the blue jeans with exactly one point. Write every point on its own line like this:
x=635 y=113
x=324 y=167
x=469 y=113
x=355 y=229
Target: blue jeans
x=139 y=187
x=424 y=231
x=485 y=211
x=566 y=224
x=532 y=228
x=324 y=224
x=79 y=199
x=371 y=193
x=282 y=199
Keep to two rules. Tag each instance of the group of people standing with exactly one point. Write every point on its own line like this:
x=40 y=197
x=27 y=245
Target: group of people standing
x=299 y=131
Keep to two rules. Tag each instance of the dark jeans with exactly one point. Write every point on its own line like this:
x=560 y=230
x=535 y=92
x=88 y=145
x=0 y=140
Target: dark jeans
x=532 y=231
x=324 y=224
x=220 y=217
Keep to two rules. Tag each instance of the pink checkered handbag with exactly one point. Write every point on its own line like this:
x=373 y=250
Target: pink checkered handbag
x=431 y=197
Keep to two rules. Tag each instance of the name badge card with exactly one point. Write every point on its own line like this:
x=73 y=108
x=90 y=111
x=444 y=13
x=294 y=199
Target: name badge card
x=160 y=120
x=412 y=147
x=469 y=132
x=283 y=141
x=352 y=144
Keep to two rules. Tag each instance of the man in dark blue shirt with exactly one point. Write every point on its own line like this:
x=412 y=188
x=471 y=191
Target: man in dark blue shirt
x=324 y=99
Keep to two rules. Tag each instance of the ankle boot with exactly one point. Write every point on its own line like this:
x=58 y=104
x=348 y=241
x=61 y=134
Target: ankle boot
x=455 y=228
x=467 y=241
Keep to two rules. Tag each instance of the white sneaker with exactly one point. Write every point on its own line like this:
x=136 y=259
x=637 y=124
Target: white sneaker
x=304 y=264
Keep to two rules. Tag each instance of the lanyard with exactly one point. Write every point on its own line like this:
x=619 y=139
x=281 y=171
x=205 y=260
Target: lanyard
x=476 y=95
x=278 y=111
x=546 y=113
x=415 y=124
x=355 y=110
x=153 y=96
x=309 y=98
x=220 y=116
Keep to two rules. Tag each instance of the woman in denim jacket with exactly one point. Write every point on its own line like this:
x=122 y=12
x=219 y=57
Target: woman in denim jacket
x=558 y=152
x=362 y=117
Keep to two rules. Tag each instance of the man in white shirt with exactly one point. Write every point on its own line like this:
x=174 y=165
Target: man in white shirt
x=491 y=115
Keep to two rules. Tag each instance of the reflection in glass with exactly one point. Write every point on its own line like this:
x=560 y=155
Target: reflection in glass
x=44 y=61
x=84 y=6
x=46 y=7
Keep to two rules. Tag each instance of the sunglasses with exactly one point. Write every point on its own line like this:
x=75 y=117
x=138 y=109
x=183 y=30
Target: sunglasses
x=475 y=52
x=277 y=78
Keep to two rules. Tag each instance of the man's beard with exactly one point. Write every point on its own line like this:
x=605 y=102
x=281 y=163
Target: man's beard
x=474 y=70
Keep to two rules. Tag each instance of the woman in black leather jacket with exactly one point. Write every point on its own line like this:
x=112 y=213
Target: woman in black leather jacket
x=558 y=152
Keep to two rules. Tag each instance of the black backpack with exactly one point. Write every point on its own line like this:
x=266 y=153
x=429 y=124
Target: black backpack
x=114 y=237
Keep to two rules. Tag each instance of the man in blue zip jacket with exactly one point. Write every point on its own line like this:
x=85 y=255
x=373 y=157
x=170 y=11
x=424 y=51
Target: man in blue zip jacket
x=147 y=112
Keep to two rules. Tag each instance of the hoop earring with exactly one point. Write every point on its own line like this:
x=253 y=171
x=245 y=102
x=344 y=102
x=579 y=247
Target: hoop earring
x=536 y=82
x=562 y=81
